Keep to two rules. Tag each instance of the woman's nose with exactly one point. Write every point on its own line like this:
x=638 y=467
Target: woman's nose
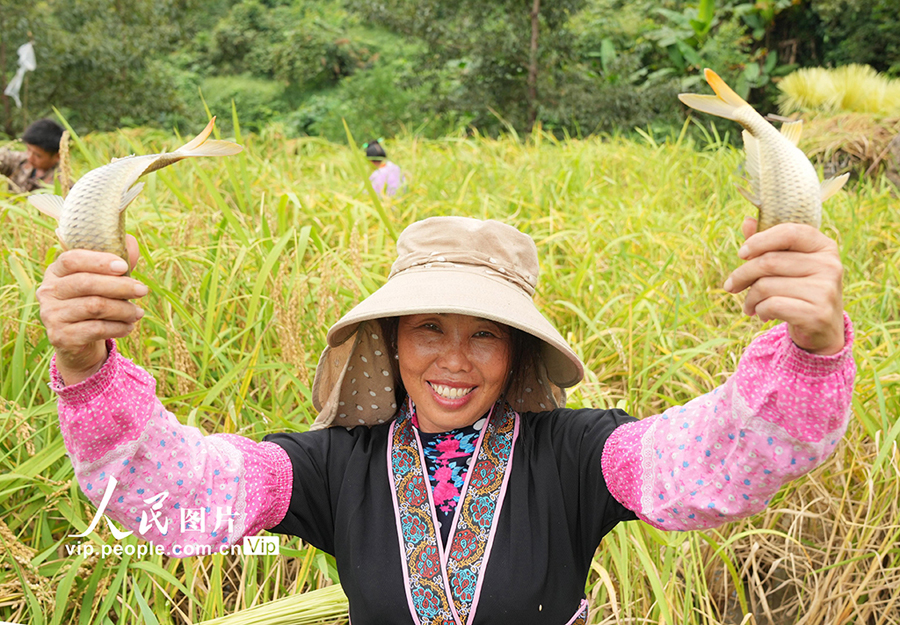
x=455 y=356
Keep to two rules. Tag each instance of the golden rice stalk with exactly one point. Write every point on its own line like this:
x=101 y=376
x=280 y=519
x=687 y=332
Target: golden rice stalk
x=316 y=607
x=186 y=369
x=65 y=167
x=15 y=418
x=289 y=321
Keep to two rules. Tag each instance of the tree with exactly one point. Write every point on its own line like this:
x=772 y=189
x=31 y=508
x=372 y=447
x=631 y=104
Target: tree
x=499 y=52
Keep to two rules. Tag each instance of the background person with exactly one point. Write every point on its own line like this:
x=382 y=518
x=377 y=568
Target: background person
x=387 y=177
x=37 y=166
x=474 y=491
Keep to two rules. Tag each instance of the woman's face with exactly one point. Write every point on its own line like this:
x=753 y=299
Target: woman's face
x=454 y=367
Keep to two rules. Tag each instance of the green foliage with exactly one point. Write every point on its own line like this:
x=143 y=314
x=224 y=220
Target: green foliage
x=300 y=43
x=727 y=39
x=483 y=48
x=433 y=65
x=262 y=99
x=585 y=104
x=103 y=61
x=372 y=103
x=861 y=31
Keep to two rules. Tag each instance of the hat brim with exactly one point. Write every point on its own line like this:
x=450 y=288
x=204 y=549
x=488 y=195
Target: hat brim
x=466 y=291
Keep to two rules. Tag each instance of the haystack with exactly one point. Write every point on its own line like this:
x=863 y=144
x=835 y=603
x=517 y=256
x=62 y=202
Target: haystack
x=864 y=145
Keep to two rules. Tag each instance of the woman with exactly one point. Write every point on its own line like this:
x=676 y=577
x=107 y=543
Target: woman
x=387 y=177
x=474 y=496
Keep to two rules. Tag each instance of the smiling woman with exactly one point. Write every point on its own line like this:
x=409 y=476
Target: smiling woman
x=454 y=367
x=458 y=488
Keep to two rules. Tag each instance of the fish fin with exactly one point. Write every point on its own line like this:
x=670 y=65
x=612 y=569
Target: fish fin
x=129 y=196
x=750 y=197
x=833 y=185
x=723 y=104
x=722 y=90
x=62 y=241
x=772 y=117
x=708 y=104
x=212 y=148
x=792 y=131
x=50 y=205
x=751 y=164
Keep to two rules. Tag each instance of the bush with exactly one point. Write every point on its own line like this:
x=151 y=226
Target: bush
x=258 y=100
x=382 y=101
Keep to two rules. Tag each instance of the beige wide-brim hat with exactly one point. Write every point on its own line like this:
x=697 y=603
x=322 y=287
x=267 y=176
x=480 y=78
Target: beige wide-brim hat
x=444 y=265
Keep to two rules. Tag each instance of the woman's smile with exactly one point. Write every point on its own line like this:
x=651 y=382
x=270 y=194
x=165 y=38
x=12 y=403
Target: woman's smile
x=453 y=366
x=450 y=392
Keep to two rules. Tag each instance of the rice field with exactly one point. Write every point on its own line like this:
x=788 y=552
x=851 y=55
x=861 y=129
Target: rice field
x=249 y=260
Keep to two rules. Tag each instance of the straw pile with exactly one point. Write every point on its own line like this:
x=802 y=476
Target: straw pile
x=853 y=119
x=323 y=606
x=862 y=144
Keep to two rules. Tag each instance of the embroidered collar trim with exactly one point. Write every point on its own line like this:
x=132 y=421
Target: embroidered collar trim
x=443 y=584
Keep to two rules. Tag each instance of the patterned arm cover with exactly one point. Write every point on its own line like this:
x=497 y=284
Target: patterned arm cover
x=722 y=456
x=171 y=484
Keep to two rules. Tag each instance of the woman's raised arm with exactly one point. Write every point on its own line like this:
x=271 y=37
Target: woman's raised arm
x=724 y=455
x=168 y=482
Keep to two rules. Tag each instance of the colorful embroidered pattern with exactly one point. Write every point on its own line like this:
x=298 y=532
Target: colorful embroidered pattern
x=582 y=615
x=479 y=510
x=429 y=581
x=447 y=459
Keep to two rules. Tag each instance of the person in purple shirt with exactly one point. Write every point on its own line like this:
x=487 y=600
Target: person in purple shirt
x=387 y=177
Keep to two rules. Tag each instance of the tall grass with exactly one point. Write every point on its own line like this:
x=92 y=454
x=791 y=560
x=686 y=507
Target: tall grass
x=250 y=259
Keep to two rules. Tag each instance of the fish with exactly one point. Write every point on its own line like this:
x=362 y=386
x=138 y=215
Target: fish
x=783 y=183
x=92 y=215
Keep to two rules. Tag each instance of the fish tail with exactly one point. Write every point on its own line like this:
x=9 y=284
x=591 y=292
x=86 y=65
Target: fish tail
x=723 y=104
x=200 y=146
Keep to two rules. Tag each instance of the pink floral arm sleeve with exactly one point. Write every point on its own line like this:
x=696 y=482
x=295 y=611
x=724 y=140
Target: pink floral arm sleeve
x=172 y=485
x=724 y=455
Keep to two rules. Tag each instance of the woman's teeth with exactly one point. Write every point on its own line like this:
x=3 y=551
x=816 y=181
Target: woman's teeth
x=449 y=392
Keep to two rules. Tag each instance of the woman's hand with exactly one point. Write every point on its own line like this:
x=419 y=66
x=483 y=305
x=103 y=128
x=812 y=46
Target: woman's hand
x=84 y=301
x=794 y=274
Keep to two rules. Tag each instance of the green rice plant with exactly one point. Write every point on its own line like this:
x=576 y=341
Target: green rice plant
x=249 y=260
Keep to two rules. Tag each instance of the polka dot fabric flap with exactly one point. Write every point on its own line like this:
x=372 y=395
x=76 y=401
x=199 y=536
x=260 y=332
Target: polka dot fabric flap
x=354 y=382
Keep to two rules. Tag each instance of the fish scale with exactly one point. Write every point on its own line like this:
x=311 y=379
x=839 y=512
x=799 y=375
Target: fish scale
x=783 y=183
x=92 y=215
x=99 y=230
